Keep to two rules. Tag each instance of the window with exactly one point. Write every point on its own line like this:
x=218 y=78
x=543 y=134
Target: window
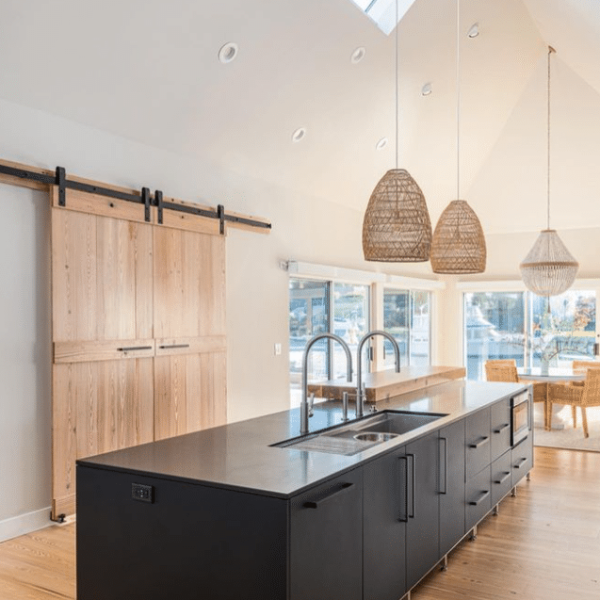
x=383 y=12
x=531 y=329
x=312 y=305
x=406 y=316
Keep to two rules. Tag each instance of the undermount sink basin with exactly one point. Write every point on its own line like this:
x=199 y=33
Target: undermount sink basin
x=349 y=439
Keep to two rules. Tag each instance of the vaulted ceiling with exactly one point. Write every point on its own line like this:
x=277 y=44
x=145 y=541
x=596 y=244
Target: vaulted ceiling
x=148 y=70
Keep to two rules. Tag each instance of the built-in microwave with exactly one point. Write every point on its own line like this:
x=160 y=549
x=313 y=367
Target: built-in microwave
x=521 y=417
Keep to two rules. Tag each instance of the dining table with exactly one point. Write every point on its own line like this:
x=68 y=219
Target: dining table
x=550 y=375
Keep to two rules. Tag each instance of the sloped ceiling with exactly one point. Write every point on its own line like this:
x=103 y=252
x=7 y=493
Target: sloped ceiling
x=148 y=70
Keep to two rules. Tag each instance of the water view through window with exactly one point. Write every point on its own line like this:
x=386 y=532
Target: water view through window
x=532 y=330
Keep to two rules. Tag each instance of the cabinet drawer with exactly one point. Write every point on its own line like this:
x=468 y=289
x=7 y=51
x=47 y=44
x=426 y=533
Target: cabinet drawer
x=522 y=459
x=478 y=443
x=478 y=497
x=500 y=428
x=501 y=477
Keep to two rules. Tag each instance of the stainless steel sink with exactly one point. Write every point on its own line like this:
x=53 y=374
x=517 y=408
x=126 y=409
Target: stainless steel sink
x=355 y=437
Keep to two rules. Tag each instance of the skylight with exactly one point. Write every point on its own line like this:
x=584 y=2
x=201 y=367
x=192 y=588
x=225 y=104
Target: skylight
x=383 y=12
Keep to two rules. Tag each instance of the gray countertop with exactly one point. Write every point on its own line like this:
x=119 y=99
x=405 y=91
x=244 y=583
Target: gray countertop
x=239 y=456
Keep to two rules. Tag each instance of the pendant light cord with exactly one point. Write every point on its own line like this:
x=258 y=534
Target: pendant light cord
x=458 y=99
x=396 y=88
x=550 y=51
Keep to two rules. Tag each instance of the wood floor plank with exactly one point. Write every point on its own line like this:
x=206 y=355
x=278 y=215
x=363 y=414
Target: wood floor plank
x=544 y=545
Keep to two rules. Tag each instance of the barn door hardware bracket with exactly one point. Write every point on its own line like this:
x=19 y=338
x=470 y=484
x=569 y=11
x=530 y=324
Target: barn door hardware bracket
x=221 y=215
x=158 y=200
x=61 y=180
x=146 y=201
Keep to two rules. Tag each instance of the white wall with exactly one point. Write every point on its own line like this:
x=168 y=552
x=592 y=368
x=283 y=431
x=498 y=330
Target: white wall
x=257 y=288
x=25 y=354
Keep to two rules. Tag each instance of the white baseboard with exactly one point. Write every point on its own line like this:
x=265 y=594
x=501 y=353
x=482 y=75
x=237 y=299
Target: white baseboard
x=22 y=524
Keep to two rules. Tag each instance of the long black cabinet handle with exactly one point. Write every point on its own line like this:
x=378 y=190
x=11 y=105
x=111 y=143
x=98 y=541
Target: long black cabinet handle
x=411 y=514
x=404 y=512
x=521 y=462
x=134 y=348
x=316 y=503
x=504 y=477
x=481 y=498
x=444 y=461
x=172 y=346
x=502 y=428
x=484 y=440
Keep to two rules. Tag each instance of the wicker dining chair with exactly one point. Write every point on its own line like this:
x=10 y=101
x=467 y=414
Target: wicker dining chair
x=581 y=364
x=506 y=370
x=582 y=396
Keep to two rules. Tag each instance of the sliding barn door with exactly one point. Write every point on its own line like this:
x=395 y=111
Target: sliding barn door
x=138 y=330
x=189 y=326
x=103 y=341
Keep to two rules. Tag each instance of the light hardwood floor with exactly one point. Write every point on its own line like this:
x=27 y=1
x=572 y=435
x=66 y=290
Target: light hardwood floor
x=544 y=545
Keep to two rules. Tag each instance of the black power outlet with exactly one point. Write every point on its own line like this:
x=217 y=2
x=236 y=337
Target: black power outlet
x=143 y=493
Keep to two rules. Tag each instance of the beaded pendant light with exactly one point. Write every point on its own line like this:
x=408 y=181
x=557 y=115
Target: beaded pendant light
x=458 y=245
x=396 y=225
x=549 y=269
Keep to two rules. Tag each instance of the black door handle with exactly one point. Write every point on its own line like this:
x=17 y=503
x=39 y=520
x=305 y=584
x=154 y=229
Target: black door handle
x=411 y=514
x=404 y=512
x=481 y=498
x=521 y=462
x=504 y=477
x=134 y=348
x=316 y=503
x=172 y=346
x=484 y=440
x=444 y=460
x=502 y=428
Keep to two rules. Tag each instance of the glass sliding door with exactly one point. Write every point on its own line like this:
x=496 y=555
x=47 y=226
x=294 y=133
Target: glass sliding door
x=351 y=308
x=309 y=316
x=407 y=316
x=420 y=328
x=494 y=328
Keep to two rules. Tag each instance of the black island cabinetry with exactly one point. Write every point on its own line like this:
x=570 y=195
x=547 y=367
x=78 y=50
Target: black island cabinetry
x=369 y=533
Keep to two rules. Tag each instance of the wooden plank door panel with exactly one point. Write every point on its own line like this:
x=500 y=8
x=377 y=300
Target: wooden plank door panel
x=98 y=407
x=190 y=393
x=101 y=278
x=189 y=284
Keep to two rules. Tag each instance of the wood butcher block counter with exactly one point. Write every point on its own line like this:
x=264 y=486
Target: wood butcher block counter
x=387 y=384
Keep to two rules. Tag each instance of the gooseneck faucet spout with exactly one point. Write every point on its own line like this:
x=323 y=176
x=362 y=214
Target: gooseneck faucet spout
x=304 y=408
x=359 y=392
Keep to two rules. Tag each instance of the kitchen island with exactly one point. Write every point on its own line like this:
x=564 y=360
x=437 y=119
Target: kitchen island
x=223 y=513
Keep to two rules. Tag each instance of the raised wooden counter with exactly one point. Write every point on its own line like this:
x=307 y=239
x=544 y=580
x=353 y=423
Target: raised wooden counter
x=386 y=384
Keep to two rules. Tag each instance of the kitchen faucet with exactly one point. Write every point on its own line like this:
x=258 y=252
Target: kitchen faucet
x=304 y=407
x=359 y=393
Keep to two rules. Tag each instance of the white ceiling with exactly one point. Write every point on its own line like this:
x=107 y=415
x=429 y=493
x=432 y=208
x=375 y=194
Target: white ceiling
x=148 y=70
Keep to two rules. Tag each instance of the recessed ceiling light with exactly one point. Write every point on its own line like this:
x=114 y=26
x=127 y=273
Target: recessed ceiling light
x=381 y=144
x=426 y=90
x=474 y=31
x=228 y=52
x=299 y=134
x=358 y=55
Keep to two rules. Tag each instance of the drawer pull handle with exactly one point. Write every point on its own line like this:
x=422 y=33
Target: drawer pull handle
x=173 y=346
x=502 y=479
x=404 y=516
x=134 y=348
x=481 y=498
x=316 y=503
x=521 y=462
x=502 y=428
x=484 y=440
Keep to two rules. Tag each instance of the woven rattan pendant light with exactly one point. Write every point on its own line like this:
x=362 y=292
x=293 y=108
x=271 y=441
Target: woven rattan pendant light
x=549 y=269
x=396 y=225
x=458 y=245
